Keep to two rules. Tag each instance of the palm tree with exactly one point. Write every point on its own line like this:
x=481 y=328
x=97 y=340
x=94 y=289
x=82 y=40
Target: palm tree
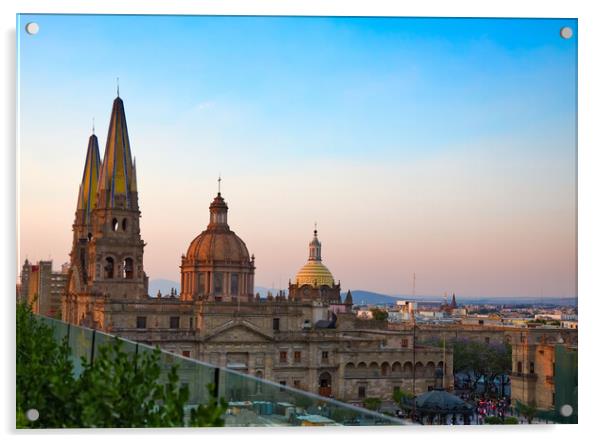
x=527 y=411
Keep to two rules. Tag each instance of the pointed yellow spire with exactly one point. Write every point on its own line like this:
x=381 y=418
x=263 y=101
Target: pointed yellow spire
x=86 y=201
x=117 y=184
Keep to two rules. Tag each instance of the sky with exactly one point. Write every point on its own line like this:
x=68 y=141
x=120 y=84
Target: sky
x=444 y=148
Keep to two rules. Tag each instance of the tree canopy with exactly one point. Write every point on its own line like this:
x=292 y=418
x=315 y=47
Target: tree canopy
x=379 y=314
x=479 y=359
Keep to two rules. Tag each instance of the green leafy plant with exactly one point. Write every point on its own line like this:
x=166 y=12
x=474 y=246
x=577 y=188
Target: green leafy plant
x=527 y=411
x=379 y=314
x=372 y=403
x=117 y=389
x=400 y=396
x=493 y=420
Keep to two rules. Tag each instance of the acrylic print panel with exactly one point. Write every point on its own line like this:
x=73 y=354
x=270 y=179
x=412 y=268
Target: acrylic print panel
x=319 y=221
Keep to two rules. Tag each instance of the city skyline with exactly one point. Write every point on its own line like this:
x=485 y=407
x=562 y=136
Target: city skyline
x=400 y=179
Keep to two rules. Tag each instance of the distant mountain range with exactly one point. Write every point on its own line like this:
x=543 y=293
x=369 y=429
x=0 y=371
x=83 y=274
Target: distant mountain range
x=362 y=297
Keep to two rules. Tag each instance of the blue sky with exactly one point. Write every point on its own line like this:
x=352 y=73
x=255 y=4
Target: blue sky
x=451 y=131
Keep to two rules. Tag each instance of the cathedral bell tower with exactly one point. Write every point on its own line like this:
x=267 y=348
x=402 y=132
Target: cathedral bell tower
x=82 y=226
x=115 y=245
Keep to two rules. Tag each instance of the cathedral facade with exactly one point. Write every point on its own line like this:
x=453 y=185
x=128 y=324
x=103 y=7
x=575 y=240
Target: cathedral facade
x=309 y=339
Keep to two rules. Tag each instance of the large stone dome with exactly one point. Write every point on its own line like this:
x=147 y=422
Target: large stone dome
x=217 y=267
x=218 y=245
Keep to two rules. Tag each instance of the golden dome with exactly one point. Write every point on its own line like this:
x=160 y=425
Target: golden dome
x=314 y=273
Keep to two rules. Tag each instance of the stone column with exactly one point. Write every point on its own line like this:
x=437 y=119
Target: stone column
x=340 y=380
x=182 y=278
x=268 y=362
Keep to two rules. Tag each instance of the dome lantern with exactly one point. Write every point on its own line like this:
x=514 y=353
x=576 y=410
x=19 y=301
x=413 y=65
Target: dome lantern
x=315 y=247
x=314 y=272
x=218 y=212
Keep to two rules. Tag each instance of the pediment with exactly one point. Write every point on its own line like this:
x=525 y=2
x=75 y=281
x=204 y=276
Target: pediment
x=239 y=332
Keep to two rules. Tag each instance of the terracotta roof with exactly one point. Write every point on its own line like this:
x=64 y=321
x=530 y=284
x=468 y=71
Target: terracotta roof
x=218 y=245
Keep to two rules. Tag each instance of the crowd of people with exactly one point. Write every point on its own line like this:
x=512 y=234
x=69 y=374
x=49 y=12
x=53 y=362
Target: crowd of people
x=491 y=407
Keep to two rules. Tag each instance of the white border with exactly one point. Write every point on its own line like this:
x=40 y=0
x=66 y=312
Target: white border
x=590 y=198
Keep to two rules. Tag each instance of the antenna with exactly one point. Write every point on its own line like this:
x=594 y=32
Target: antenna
x=117 y=86
x=93 y=126
x=414 y=285
x=219 y=183
x=444 y=361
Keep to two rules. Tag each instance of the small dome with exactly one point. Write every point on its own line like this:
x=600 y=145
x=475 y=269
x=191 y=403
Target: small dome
x=314 y=273
x=218 y=245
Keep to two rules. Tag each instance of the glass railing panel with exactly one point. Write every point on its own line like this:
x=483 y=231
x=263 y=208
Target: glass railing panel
x=256 y=402
x=80 y=342
x=60 y=330
x=251 y=401
x=197 y=377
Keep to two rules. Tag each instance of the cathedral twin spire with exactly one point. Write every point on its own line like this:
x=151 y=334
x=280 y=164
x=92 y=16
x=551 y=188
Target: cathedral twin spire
x=112 y=183
x=89 y=185
x=117 y=182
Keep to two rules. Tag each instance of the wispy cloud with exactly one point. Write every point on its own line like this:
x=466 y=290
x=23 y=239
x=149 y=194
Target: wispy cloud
x=205 y=105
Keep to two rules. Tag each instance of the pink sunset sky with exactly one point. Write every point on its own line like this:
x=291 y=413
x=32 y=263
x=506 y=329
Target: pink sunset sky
x=413 y=158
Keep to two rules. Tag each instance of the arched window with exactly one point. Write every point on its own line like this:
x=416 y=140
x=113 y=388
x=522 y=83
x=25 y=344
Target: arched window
x=519 y=367
x=218 y=283
x=430 y=369
x=396 y=367
x=419 y=369
x=384 y=369
x=109 y=267
x=89 y=236
x=374 y=368
x=115 y=224
x=128 y=268
x=407 y=368
x=124 y=224
x=325 y=380
x=349 y=369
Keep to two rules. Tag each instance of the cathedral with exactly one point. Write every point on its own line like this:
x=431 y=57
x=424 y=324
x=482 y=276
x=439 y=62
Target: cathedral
x=310 y=339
